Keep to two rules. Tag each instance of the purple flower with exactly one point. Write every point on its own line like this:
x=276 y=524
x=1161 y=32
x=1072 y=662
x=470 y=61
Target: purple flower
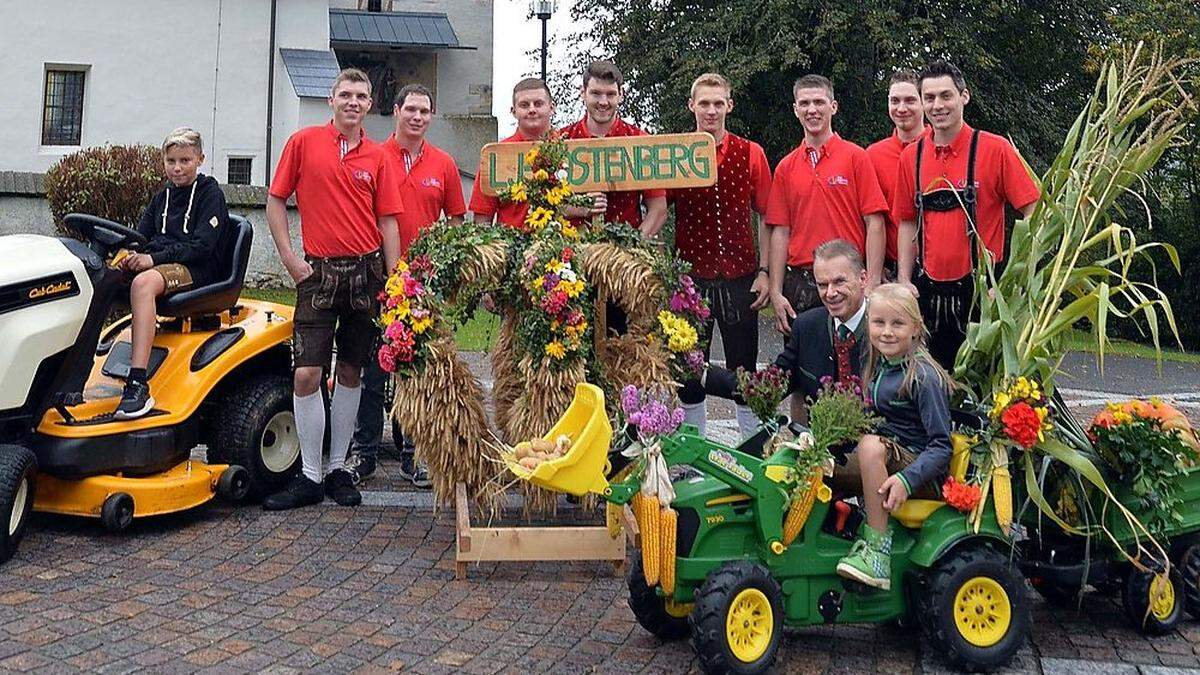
x=550 y=281
x=629 y=399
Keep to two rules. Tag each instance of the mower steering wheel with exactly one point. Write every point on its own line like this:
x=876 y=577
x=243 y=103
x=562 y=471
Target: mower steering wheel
x=105 y=233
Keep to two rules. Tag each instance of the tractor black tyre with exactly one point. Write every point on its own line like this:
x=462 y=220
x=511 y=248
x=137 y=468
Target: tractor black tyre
x=116 y=514
x=650 y=609
x=716 y=598
x=1140 y=609
x=18 y=482
x=258 y=432
x=1189 y=570
x=985 y=580
x=234 y=484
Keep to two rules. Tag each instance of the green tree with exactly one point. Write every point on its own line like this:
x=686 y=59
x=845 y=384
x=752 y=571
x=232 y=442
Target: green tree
x=1025 y=61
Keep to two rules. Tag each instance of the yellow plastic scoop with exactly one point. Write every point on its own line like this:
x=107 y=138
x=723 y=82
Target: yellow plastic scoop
x=581 y=469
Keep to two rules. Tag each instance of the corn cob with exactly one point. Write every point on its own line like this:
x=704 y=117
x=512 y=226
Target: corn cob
x=648 y=522
x=798 y=513
x=1002 y=496
x=612 y=519
x=667 y=522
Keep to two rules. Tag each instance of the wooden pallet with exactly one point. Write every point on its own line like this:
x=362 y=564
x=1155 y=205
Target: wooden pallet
x=498 y=544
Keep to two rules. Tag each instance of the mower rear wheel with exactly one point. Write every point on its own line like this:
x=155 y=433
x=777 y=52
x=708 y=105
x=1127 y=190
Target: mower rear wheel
x=258 y=432
x=18 y=481
x=116 y=514
x=737 y=623
x=651 y=609
x=1189 y=572
x=973 y=610
x=1154 y=601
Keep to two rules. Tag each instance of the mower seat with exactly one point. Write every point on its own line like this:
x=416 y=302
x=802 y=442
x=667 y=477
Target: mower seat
x=233 y=250
x=912 y=513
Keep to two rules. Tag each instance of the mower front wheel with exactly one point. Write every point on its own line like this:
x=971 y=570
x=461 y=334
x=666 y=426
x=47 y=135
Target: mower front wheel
x=116 y=514
x=234 y=484
x=258 y=432
x=665 y=621
x=737 y=623
x=18 y=480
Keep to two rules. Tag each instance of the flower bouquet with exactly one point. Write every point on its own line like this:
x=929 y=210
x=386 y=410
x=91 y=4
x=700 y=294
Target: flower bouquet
x=763 y=391
x=681 y=328
x=557 y=325
x=543 y=186
x=406 y=317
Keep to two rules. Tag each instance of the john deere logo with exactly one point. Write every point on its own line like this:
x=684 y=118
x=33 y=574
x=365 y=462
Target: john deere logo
x=49 y=289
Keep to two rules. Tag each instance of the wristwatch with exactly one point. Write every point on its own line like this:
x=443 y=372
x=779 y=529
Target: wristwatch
x=763 y=270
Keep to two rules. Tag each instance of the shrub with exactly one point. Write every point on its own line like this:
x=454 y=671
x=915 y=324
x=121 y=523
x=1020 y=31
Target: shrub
x=114 y=182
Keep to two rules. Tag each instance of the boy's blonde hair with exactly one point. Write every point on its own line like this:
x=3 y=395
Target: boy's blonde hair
x=350 y=75
x=183 y=136
x=712 y=80
x=898 y=297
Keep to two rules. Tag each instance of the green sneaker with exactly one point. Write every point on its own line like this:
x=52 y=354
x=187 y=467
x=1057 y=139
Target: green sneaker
x=870 y=559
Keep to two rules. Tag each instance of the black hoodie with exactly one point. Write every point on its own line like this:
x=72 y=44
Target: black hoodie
x=196 y=216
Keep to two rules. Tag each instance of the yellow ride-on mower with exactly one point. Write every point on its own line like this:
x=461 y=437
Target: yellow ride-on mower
x=220 y=370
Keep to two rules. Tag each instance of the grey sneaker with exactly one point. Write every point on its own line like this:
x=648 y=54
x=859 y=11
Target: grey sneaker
x=413 y=472
x=135 y=401
x=360 y=466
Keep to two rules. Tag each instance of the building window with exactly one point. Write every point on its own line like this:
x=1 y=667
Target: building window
x=239 y=170
x=62 y=109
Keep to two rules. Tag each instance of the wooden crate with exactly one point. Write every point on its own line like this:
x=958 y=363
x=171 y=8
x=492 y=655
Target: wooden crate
x=498 y=544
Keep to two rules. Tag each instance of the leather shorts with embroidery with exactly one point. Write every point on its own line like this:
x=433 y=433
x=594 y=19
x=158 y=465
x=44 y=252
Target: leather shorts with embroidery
x=338 y=302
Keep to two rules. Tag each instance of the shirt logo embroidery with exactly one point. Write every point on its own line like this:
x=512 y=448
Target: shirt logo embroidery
x=363 y=175
x=213 y=221
x=431 y=183
x=838 y=180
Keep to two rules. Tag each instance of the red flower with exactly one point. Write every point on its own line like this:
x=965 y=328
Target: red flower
x=962 y=496
x=1022 y=424
x=567 y=254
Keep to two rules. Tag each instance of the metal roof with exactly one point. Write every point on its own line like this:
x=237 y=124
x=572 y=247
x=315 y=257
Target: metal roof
x=312 y=72
x=392 y=29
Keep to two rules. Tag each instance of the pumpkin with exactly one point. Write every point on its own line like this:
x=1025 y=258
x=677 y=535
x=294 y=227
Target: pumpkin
x=1167 y=414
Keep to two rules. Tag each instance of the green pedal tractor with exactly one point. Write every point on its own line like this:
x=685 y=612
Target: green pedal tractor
x=731 y=583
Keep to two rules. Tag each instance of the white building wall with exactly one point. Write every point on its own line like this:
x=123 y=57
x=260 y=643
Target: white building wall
x=152 y=65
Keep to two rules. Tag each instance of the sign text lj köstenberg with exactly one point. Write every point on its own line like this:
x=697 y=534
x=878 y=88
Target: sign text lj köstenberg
x=614 y=164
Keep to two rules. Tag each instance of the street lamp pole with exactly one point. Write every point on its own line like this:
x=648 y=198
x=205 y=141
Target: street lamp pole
x=543 y=10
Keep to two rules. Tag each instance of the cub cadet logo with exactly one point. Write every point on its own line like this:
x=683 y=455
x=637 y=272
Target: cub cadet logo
x=715 y=520
x=49 y=289
x=726 y=461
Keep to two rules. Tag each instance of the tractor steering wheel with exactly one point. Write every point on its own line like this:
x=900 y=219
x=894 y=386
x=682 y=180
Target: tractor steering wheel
x=103 y=234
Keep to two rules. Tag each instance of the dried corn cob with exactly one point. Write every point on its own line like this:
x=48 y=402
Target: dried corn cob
x=1002 y=496
x=797 y=515
x=648 y=522
x=667 y=523
x=612 y=519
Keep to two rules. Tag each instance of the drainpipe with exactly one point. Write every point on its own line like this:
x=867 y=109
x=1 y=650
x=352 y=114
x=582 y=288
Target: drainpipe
x=270 y=93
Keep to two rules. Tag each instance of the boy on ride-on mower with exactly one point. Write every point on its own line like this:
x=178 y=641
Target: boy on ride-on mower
x=183 y=224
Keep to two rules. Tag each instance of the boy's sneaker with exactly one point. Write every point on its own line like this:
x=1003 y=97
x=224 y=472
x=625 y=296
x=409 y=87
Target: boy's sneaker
x=870 y=560
x=300 y=492
x=360 y=466
x=135 y=401
x=339 y=485
x=413 y=472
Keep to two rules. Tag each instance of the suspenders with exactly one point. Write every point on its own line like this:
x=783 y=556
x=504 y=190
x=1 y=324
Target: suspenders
x=968 y=195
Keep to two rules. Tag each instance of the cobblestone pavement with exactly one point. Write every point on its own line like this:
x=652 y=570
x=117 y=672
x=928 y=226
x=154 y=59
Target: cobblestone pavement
x=332 y=589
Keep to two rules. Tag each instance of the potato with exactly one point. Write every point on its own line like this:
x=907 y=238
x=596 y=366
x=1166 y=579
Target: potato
x=523 y=450
x=541 y=445
x=530 y=463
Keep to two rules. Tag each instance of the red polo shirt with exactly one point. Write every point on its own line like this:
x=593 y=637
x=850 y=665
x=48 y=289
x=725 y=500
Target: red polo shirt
x=885 y=157
x=623 y=207
x=1000 y=178
x=431 y=187
x=340 y=198
x=824 y=201
x=511 y=214
x=713 y=228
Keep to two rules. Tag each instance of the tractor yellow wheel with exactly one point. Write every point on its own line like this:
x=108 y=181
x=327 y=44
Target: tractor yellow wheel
x=749 y=625
x=1162 y=597
x=982 y=611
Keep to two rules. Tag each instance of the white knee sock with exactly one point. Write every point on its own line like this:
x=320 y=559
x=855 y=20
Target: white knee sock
x=695 y=414
x=343 y=413
x=747 y=421
x=310 y=427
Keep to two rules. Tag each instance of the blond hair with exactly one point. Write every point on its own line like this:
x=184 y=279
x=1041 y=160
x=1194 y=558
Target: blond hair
x=350 y=75
x=183 y=136
x=899 y=298
x=711 y=80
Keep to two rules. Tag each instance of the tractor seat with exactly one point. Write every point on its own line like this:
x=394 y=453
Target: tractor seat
x=913 y=512
x=233 y=250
